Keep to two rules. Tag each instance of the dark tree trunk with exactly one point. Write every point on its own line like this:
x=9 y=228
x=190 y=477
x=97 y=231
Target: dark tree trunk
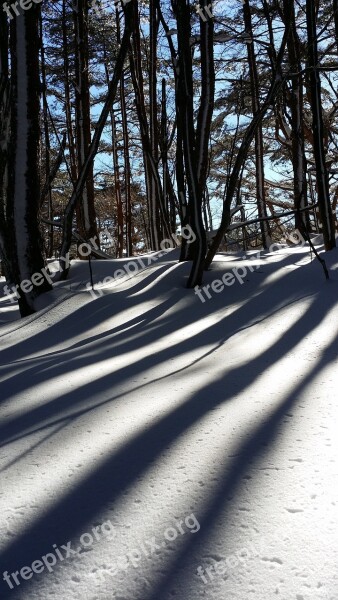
x=24 y=156
x=195 y=144
x=322 y=177
x=126 y=155
x=297 y=122
x=259 y=150
x=156 y=206
x=86 y=215
x=4 y=137
x=47 y=187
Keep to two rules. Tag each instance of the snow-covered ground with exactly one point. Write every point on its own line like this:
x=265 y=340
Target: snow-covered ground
x=173 y=448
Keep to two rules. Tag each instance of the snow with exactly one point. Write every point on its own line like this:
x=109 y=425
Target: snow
x=146 y=409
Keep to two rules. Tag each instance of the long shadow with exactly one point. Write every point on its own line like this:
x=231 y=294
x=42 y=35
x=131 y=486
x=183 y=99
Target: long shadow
x=29 y=421
x=39 y=416
x=43 y=339
x=83 y=395
x=254 y=448
x=104 y=309
x=70 y=515
x=108 y=346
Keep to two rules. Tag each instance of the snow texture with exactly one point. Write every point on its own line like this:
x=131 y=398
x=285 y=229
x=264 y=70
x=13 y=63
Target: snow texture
x=152 y=410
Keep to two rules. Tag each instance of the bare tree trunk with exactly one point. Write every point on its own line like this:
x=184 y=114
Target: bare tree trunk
x=335 y=15
x=24 y=156
x=117 y=184
x=297 y=122
x=153 y=126
x=127 y=170
x=126 y=155
x=324 y=204
x=48 y=188
x=86 y=214
x=156 y=205
x=68 y=104
x=4 y=137
x=259 y=150
x=168 y=191
x=195 y=144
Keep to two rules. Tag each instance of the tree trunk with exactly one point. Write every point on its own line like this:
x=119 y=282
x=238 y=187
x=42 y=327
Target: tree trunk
x=156 y=207
x=323 y=187
x=297 y=123
x=4 y=137
x=47 y=169
x=195 y=144
x=24 y=154
x=259 y=149
x=86 y=208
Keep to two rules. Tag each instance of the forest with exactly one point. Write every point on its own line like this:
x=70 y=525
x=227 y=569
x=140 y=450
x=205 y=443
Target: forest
x=121 y=123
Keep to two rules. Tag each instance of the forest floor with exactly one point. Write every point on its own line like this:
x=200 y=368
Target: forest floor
x=155 y=446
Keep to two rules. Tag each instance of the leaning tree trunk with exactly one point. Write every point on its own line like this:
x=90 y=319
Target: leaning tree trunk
x=322 y=177
x=24 y=154
x=116 y=168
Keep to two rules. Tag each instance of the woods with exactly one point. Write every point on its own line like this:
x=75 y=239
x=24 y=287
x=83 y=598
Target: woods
x=145 y=117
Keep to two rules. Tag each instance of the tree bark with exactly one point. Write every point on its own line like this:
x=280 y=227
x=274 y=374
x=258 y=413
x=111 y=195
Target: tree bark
x=259 y=149
x=24 y=156
x=86 y=215
x=322 y=177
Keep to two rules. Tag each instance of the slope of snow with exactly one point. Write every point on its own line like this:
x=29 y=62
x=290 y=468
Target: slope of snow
x=196 y=434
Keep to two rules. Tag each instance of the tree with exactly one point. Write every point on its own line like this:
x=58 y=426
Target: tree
x=23 y=190
x=259 y=148
x=86 y=216
x=322 y=178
